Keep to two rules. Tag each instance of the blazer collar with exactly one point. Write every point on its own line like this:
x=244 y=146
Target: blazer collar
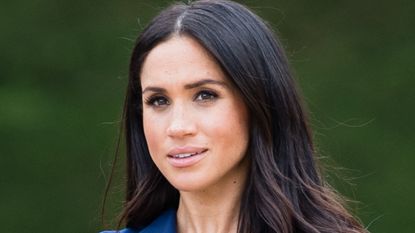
x=165 y=223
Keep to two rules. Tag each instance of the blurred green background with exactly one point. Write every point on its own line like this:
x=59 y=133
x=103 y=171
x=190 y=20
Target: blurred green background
x=63 y=71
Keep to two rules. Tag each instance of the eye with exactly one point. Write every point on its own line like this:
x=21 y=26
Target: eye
x=157 y=101
x=206 y=96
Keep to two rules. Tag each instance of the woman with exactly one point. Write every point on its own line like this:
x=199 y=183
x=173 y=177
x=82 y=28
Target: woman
x=217 y=138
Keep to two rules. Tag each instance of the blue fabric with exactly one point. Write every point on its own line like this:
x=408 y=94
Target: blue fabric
x=165 y=223
x=126 y=230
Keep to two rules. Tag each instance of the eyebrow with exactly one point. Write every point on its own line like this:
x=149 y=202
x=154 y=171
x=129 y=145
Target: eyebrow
x=187 y=86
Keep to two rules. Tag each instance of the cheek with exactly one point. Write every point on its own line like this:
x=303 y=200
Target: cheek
x=152 y=132
x=228 y=126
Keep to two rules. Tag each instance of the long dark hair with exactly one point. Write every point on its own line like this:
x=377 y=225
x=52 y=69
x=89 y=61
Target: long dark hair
x=285 y=192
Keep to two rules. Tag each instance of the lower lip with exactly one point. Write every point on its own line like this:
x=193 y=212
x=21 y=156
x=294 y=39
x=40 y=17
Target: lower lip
x=186 y=162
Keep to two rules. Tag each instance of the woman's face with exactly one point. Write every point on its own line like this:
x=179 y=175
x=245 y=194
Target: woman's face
x=195 y=122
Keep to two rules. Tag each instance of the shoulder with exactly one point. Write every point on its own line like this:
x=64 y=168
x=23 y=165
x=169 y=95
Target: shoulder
x=165 y=223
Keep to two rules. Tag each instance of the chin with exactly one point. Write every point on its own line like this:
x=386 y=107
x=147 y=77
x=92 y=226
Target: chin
x=188 y=185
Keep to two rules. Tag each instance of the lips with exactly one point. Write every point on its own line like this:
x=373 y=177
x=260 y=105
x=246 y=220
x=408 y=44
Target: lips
x=185 y=152
x=181 y=157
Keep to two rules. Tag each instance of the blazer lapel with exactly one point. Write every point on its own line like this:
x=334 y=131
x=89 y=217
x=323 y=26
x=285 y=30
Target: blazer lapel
x=165 y=223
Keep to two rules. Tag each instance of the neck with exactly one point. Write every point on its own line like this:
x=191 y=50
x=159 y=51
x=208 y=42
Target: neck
x=214 y=210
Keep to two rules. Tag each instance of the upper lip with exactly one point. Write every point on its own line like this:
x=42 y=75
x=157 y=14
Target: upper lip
x=186 y=150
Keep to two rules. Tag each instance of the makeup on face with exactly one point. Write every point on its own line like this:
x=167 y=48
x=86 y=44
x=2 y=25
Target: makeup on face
x=194 y=121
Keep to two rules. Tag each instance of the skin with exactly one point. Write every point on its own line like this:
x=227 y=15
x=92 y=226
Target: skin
x=188 y=102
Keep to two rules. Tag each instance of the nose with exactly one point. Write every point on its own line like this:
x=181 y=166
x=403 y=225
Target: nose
x=181 y=122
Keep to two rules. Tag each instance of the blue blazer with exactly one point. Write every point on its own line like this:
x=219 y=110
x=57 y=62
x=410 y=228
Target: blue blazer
x=165 y=223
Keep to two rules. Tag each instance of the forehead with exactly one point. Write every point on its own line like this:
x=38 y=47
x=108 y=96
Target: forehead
x=179 y=59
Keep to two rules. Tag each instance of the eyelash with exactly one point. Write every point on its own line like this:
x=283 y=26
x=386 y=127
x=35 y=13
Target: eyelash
x=202 y=96
x=154 y=100
x=211 y=95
